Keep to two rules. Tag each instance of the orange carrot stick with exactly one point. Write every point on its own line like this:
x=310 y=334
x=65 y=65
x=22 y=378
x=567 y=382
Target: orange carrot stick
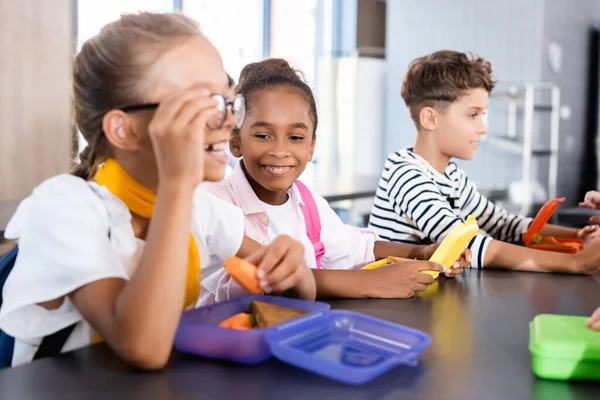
x=241 y=321
x=244 y=273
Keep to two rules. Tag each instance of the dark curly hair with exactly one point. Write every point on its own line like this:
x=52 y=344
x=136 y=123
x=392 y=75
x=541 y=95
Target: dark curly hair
x=275 y=72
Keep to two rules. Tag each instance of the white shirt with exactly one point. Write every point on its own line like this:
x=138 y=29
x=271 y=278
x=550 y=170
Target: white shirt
x=281 y=223
x=71 y=232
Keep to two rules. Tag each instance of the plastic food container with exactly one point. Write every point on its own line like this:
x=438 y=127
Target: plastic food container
x=199 y=334
x=560 y=245
x=455 y=243
x=342 y=345
x=449 y=250
x=562 y=347
x=346 y=346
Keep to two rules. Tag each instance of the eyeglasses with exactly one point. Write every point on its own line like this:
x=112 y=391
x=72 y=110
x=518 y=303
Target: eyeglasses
x=237 y=107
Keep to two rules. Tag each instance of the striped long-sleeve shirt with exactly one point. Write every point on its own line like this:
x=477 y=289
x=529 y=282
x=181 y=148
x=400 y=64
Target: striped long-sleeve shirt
x=417 y=204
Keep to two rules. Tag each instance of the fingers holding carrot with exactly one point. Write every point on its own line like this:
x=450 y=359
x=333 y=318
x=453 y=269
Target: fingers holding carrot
x=272 y=269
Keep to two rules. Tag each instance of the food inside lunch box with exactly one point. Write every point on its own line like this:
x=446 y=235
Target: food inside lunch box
x=260 y=315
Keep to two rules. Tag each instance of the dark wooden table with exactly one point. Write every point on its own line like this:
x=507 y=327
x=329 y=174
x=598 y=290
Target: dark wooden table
x=479 y=325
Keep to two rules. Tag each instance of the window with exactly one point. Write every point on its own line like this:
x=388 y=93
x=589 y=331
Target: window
x=92 y=15
x=293 y=34
x=235 y=27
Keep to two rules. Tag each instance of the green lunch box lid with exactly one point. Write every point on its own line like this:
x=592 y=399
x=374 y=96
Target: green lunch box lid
x=563 y=337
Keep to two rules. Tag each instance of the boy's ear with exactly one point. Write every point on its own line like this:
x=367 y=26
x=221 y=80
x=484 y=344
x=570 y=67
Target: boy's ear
x=428 y=118
x=235 y=145
x=119 y=132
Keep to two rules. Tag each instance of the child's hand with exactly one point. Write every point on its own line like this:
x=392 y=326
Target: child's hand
x=281 y=266
x=463 y=262
x=592 y=200
x=594 y=321
x=459 y=266
x=587 y=262
x=401 y=280
x=588 y=234
x=177 y=132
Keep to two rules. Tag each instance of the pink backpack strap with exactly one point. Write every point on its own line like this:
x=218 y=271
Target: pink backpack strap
x=312 y=220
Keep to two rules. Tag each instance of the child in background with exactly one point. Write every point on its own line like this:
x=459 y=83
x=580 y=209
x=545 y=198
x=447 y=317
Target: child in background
x=90 y=261
x=422 y=194
x=275 y=143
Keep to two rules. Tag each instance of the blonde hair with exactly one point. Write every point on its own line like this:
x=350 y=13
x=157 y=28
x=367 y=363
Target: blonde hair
x=108 y=74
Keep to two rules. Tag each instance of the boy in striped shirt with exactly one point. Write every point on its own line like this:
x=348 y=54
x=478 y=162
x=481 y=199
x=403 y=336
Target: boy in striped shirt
x=422 y=194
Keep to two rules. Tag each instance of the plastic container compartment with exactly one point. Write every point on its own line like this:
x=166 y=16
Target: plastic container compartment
x=346 y=346
x=449 y=250
x=541 y=219
x=454 y=244
x=562 y=347
x=198 y=332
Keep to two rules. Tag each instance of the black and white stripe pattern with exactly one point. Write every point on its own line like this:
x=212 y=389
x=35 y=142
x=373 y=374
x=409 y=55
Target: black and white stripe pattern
x=416 y=204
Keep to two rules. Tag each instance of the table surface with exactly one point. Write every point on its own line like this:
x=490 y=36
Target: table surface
x=347 y=188
x=479 y=324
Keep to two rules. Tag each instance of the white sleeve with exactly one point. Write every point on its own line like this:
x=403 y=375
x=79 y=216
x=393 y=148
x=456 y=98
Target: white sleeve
x=220 y=286
x=346 y=246
x=221 y=225
x=63 y=238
